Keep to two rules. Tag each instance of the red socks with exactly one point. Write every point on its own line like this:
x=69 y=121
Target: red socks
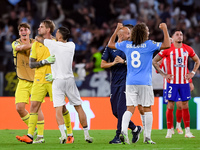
x=178 y=115
x=170 y=117
x=186 y=117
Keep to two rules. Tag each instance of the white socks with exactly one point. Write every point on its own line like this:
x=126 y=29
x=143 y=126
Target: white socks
x=62 y=130
x=143 y=120
x=125 y=122
x=148 y=124
x=86 y=133
x=143 y=123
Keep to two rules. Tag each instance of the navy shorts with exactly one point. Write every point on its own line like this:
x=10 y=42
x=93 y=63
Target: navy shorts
x=165 y=101
x=174 y=91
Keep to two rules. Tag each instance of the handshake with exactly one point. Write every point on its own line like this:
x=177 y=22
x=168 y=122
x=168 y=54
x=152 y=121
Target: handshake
x=50 y=60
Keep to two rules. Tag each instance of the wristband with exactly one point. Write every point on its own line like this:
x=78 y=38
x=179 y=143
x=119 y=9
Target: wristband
x=40 y=62
x=193 y=72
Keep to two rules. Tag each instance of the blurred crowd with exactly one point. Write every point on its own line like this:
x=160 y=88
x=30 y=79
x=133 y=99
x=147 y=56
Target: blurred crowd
x=92 y=22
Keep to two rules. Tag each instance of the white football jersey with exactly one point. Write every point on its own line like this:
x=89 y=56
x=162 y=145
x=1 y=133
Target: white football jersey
x=64 y=53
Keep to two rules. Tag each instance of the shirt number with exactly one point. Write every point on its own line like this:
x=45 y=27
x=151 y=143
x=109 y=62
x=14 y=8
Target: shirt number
x=135 y=56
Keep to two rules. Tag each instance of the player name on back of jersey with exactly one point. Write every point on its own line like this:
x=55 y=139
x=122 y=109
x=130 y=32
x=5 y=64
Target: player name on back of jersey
x=138 y=46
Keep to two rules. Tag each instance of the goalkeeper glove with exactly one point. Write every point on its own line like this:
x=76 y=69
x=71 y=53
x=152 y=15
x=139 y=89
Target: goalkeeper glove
x=49 y=77
x=50 y=60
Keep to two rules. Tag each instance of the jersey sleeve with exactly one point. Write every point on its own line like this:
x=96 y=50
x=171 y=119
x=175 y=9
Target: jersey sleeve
x=154 y=45
x=190 y=51
x=33 y=51
x=105 y=55
x=14 y=45
x=162 y=53
x=121 y=46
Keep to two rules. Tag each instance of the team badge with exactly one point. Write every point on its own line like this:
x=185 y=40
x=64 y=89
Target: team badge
x=169 y=95
x=16 y=43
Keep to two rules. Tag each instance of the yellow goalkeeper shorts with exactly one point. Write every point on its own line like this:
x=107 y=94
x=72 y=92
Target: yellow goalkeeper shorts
x=40 y=90
x=23 y=91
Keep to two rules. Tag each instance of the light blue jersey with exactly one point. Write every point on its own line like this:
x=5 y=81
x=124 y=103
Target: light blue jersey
x=139 y=61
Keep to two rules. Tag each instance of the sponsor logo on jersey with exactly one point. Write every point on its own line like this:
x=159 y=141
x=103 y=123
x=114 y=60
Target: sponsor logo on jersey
x=179 y=65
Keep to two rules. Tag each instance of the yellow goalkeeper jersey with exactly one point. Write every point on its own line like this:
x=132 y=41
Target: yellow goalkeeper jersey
x=40 y=52
x=21 y=61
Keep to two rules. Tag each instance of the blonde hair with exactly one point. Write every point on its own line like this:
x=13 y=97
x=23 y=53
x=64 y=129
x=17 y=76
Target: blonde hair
x=49 y=24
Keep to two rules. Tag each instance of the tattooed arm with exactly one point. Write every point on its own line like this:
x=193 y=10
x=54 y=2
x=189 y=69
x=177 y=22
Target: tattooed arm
x=34 y=64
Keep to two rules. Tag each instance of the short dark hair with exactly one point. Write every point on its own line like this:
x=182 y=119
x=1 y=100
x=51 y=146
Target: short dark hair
x=64 y=32
x=130 y=26
x=174 y=30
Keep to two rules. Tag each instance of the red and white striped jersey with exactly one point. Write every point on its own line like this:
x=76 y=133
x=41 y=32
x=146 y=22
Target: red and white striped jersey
x=177 y=62
x=163 y=66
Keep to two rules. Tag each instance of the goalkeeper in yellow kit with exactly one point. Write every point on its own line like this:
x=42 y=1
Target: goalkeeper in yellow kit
x=21 y=51
x=40 y=59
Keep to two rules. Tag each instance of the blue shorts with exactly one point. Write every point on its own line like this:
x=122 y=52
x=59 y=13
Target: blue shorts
x=165 y=101
x=175 y=90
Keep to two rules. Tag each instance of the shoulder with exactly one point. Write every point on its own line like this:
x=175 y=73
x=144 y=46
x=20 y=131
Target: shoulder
x=71 y=43
x=187 y=46
x=32 y=40
x=35 y=45
x=108 y=48
x=152 y=42
x=15 y=43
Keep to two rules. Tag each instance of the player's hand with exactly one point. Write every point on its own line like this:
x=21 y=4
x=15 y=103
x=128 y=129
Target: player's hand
x=50 y=60
x=49 y=77
x=163 y=26
x=189 y=76
x=119 y=26
x=169 y=77
x=118 y=59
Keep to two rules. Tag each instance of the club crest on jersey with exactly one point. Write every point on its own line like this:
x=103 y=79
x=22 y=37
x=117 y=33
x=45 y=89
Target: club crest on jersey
x=184 y=53
x=16 y=43
x=179 y=60
x=169 y=95
x=154 y=42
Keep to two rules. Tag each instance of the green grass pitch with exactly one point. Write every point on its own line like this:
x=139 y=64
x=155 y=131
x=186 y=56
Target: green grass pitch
x=101 y=139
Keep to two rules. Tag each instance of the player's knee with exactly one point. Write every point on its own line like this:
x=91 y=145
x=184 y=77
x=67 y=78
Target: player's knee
x=185 y=105
x=20 y=108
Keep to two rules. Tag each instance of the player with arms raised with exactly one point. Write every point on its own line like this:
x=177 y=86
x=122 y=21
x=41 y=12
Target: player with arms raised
x=139 y=52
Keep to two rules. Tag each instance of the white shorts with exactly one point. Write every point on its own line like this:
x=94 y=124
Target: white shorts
x=139 y=95
x=65 y=87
